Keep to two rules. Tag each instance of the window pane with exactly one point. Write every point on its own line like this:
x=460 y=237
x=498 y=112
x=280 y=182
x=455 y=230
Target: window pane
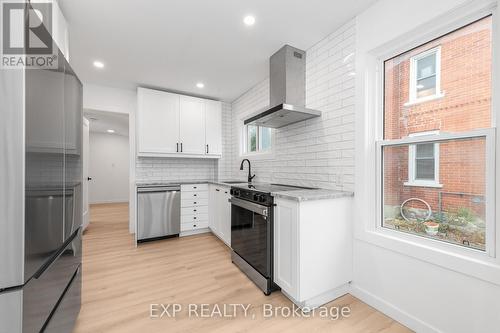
x=425 y=150
x=425 y=169
x=426 y=87
x=252 y=138
x=265 y=138
x=426 y=66
x=457 y=210
x=465 y=62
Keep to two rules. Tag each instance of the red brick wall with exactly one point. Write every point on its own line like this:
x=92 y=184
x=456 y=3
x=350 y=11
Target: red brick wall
x=466 y=105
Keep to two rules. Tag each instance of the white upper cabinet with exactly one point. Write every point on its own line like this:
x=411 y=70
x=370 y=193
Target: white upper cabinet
x=157 y=122
x=213 y=121
x=192 y=125
x=173 y=125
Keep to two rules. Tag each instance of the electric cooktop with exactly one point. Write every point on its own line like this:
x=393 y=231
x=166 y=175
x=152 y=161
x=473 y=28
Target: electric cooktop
x=268 y=188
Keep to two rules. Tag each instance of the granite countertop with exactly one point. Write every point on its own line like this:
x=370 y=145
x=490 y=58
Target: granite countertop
x=311 y=194
x=296 y=195
x=190 y=181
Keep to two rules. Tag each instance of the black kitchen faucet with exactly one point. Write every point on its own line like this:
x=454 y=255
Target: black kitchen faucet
x=250 y=177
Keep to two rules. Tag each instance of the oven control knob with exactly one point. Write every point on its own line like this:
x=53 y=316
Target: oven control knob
x=262 y=198
x=256 y=197
x=231 y=191
x=236 y=193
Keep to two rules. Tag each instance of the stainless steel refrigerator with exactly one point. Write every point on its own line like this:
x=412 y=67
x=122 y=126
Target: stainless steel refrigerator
x=40 y=199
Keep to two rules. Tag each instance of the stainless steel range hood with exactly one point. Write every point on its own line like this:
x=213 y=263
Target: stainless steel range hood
x=287 y=91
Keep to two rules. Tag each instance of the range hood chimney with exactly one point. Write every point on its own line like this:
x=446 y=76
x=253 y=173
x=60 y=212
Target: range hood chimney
x=287 y=91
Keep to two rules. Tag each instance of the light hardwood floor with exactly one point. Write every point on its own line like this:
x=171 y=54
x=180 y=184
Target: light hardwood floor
x=120 y=282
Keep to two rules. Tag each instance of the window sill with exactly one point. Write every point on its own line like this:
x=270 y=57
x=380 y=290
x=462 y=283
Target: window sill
x=425 y=99
x=423 y=184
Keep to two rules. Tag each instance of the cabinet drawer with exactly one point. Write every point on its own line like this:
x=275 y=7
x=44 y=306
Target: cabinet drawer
x=194 y=187
x=194 y=225
x=194 y=202
x=194 y=218
x=194 y=210
x=194 y=195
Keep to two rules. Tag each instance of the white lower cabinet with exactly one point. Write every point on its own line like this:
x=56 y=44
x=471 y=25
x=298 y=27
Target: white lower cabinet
x=219 y=209
x=206 y=208
x=313 y=249
x=194 y=209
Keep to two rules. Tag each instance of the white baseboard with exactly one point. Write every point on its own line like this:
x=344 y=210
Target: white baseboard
x=321 y=299
x=391 y=310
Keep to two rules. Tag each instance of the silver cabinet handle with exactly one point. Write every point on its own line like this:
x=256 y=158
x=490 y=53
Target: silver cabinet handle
x=259 y=209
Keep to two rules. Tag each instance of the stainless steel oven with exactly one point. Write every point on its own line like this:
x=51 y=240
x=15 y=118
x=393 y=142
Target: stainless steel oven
x=252 y=236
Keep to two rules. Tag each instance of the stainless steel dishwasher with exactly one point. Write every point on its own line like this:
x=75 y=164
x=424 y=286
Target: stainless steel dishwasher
x=158 y=212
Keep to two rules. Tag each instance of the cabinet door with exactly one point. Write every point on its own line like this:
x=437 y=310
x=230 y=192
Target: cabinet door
x=212 y=208
x=226 y=217
x=213 y=116
x=220 y=214
x=286 y=245
x=192 y=125
x=158 y=121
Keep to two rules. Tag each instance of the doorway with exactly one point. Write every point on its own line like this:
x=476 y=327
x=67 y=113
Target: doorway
x=108 y=158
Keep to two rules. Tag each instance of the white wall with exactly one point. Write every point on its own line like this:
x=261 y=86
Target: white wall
x=318 y=152
x=108 y=168
x=110 y=99
x=424 y=288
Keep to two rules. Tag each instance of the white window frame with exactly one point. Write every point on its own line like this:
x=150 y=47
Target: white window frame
x=413 y=77
x=370 y=129
x=259 y=154
x=489 y=136
x=412 y=164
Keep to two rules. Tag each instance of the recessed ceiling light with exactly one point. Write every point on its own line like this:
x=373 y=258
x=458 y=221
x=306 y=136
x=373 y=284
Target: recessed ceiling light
x=200 y=85
x=249 y=20
x=98 y=64
x=111 y=131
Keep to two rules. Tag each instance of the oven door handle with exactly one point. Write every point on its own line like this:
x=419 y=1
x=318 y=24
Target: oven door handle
x=259 y=209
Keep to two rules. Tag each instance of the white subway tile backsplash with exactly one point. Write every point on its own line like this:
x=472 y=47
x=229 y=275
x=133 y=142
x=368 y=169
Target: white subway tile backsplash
x=318 y=152
x=174 y=169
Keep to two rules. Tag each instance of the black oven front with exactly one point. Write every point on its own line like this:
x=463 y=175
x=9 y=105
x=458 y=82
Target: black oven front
x=252 y=241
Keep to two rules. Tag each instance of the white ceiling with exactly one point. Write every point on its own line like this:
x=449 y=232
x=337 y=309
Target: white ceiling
x=174 y=44
x=101 y=121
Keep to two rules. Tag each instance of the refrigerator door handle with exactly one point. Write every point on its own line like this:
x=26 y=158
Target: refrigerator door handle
x=56 y=256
